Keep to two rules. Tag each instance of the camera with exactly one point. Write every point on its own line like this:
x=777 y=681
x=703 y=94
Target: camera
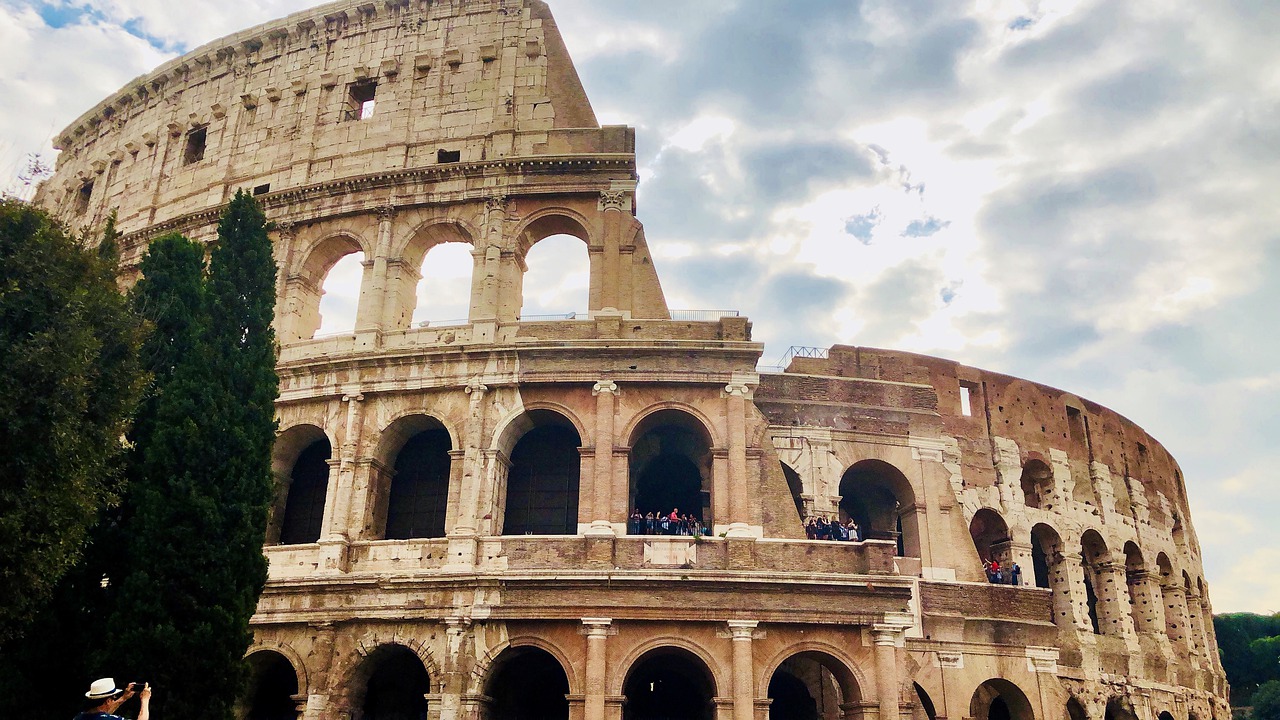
x=137 y=686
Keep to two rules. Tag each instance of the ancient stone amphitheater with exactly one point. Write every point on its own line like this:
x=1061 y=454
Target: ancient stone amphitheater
x=451 y=535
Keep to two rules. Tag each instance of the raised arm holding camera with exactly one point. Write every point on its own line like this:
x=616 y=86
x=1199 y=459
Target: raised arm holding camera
x=104 y=699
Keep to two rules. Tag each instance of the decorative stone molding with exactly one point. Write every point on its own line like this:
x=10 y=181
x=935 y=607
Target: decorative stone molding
x=615 y=200
x=604 y=386
x=1042 y=659
x=950 y=659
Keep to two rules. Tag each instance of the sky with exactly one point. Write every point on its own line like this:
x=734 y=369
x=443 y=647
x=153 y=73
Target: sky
x=1078 y=192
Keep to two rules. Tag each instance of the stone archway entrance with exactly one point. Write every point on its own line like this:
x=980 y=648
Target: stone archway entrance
x=669 y=684
x=527 y=683
x=811 y=686
x=397 y=685
x=999 y=699
x=273 y=686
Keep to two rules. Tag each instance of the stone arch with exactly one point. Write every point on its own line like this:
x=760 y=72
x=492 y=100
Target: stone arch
x=879 y=497
x=405 y=277
x=1099 y=583
x=1000 y=699
x=1075 y=710
x=1165 y=715
x=638 y=422
x=304 y=284
x=720 y=681
x=297 y=509
x=550 y=221
x=669 y=675
x=991 y=538
x=274 y=686
x=818 y=676
x=1119 y=708
x=1049 y=566
x=1136 y=579
x=518 y=422
x=1037 y=484
x=290 y=654
x=671 y=465
x=848 y=672
x=411 y=493
x=526 y=680
x=484 y=666
x=391 y=663
x=539 y=493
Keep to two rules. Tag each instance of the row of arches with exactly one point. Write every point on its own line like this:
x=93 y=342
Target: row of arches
x=664 y=683
x=1121 y=590
x=670 y=468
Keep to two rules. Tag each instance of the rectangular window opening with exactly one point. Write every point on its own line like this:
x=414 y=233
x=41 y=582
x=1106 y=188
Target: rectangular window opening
x=966 y=399
x=196 y=142
x=448 y=156
x=83 y=197
x=360 y=100
x=262 y=189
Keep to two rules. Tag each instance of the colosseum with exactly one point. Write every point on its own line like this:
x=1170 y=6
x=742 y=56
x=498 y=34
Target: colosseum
x=454 y=534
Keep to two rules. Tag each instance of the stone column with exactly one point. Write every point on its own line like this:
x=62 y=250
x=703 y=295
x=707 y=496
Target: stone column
x=1175 y=617
x=744 y=696
x=370 y=320
x=321 y=678
x=605 y=393
x=462 y=542
x=597 y=670
x=611 y=205
x=736 y=395
x=887 y=681
x=1145 y=602
x=1196 y=622
x=337 y=534
x=1113 y=597
x=1072 y=568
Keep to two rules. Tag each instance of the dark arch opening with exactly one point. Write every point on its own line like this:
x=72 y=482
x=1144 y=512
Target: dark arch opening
x=308 y=486
x=999 y=699
x=272 y=684
x=791 y=698
x=796 y=486
x=397 y=686
x=879 y=498
x=1075 y=711
x=542 y=485
x=1119 y=709
x=1165 y=715
x=527 y=683
x=671 y=467
x=926 y=703
x=991 y=539
x=1093 y=555
x=669 y=684
x=419 y=496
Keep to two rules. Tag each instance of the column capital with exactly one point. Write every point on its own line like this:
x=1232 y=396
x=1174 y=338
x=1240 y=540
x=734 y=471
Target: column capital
x=742 y=629
x=614 y=200
x=738 y=390
x=496 y=203
x=604 y=386
x=887 y=633
x=353 y=397
x=476 y=389
x=387 y=212
x=597 y=627
x=287 y=229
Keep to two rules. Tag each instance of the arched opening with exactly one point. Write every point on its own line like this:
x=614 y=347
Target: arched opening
x=272 y=687
x=1173 y=625
x=308 y=487
x=395 y=687
x=340 y=296
x=1047 y=562
x=1075 y=711
x=443 y=293
x=1119 y=709
x=1094 y=556
x=796 y=486
x=542 y=483
x=811 y=686
x=1037 y=484
x=418 y=500
x=671 y=466
x=1135 y=575
x=669 y=684
x=557 y=282
x=1165 y=715
x=991 y=538
x=879 y=498
x=999 y=699
x=303 y=505
x=527 y=683
x=924 y=709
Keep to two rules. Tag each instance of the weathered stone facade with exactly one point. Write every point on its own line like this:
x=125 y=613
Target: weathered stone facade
x=451 y=533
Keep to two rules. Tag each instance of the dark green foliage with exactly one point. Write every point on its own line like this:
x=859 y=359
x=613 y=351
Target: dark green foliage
x=71 y=378
x=1250 y=649
x=1266 y=701
x=197 y=510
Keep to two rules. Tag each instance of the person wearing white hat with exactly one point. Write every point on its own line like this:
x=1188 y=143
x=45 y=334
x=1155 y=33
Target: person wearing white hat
x=104 y=698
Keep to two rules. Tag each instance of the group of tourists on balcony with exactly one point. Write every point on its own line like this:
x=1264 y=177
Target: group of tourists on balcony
x=665 y=523
x=998 y=574
x=818 y=527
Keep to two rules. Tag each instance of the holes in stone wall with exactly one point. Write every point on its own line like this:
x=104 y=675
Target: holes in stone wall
x=197 y=140
x=444 y=157
x=262 y=189
x=360 y=100
x=82 y=198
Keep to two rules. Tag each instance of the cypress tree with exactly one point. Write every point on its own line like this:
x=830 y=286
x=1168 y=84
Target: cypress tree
x=71 y=377
x=196 y=519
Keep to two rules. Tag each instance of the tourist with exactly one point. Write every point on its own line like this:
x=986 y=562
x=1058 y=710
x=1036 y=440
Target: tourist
x=1015 y=574
x=636 y=525
x=104 y=699
x=650 y=524
x=855 y=532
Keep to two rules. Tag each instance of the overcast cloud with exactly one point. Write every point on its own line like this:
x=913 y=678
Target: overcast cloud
x=1079 y=192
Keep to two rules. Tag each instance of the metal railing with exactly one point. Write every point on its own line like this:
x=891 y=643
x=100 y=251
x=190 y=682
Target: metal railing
x=801 y=351
x=702 y=315
x=443 y=323
x=543 y=318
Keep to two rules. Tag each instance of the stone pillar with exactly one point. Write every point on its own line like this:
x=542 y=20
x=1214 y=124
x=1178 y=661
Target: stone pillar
x=462 y=543
x=1175 y=617
x=1113 y=600
x=736 y=395
x=337 y=534
x=887 y=681
x=605 y=393
x=1020 y=552
x=1145 y=602
x=1195 y=619
x=1071 y=567
x=486 y=278
x=320 y=677
x=611 y=205
x=370 y=320
x=597 y=670
x=744 y=696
